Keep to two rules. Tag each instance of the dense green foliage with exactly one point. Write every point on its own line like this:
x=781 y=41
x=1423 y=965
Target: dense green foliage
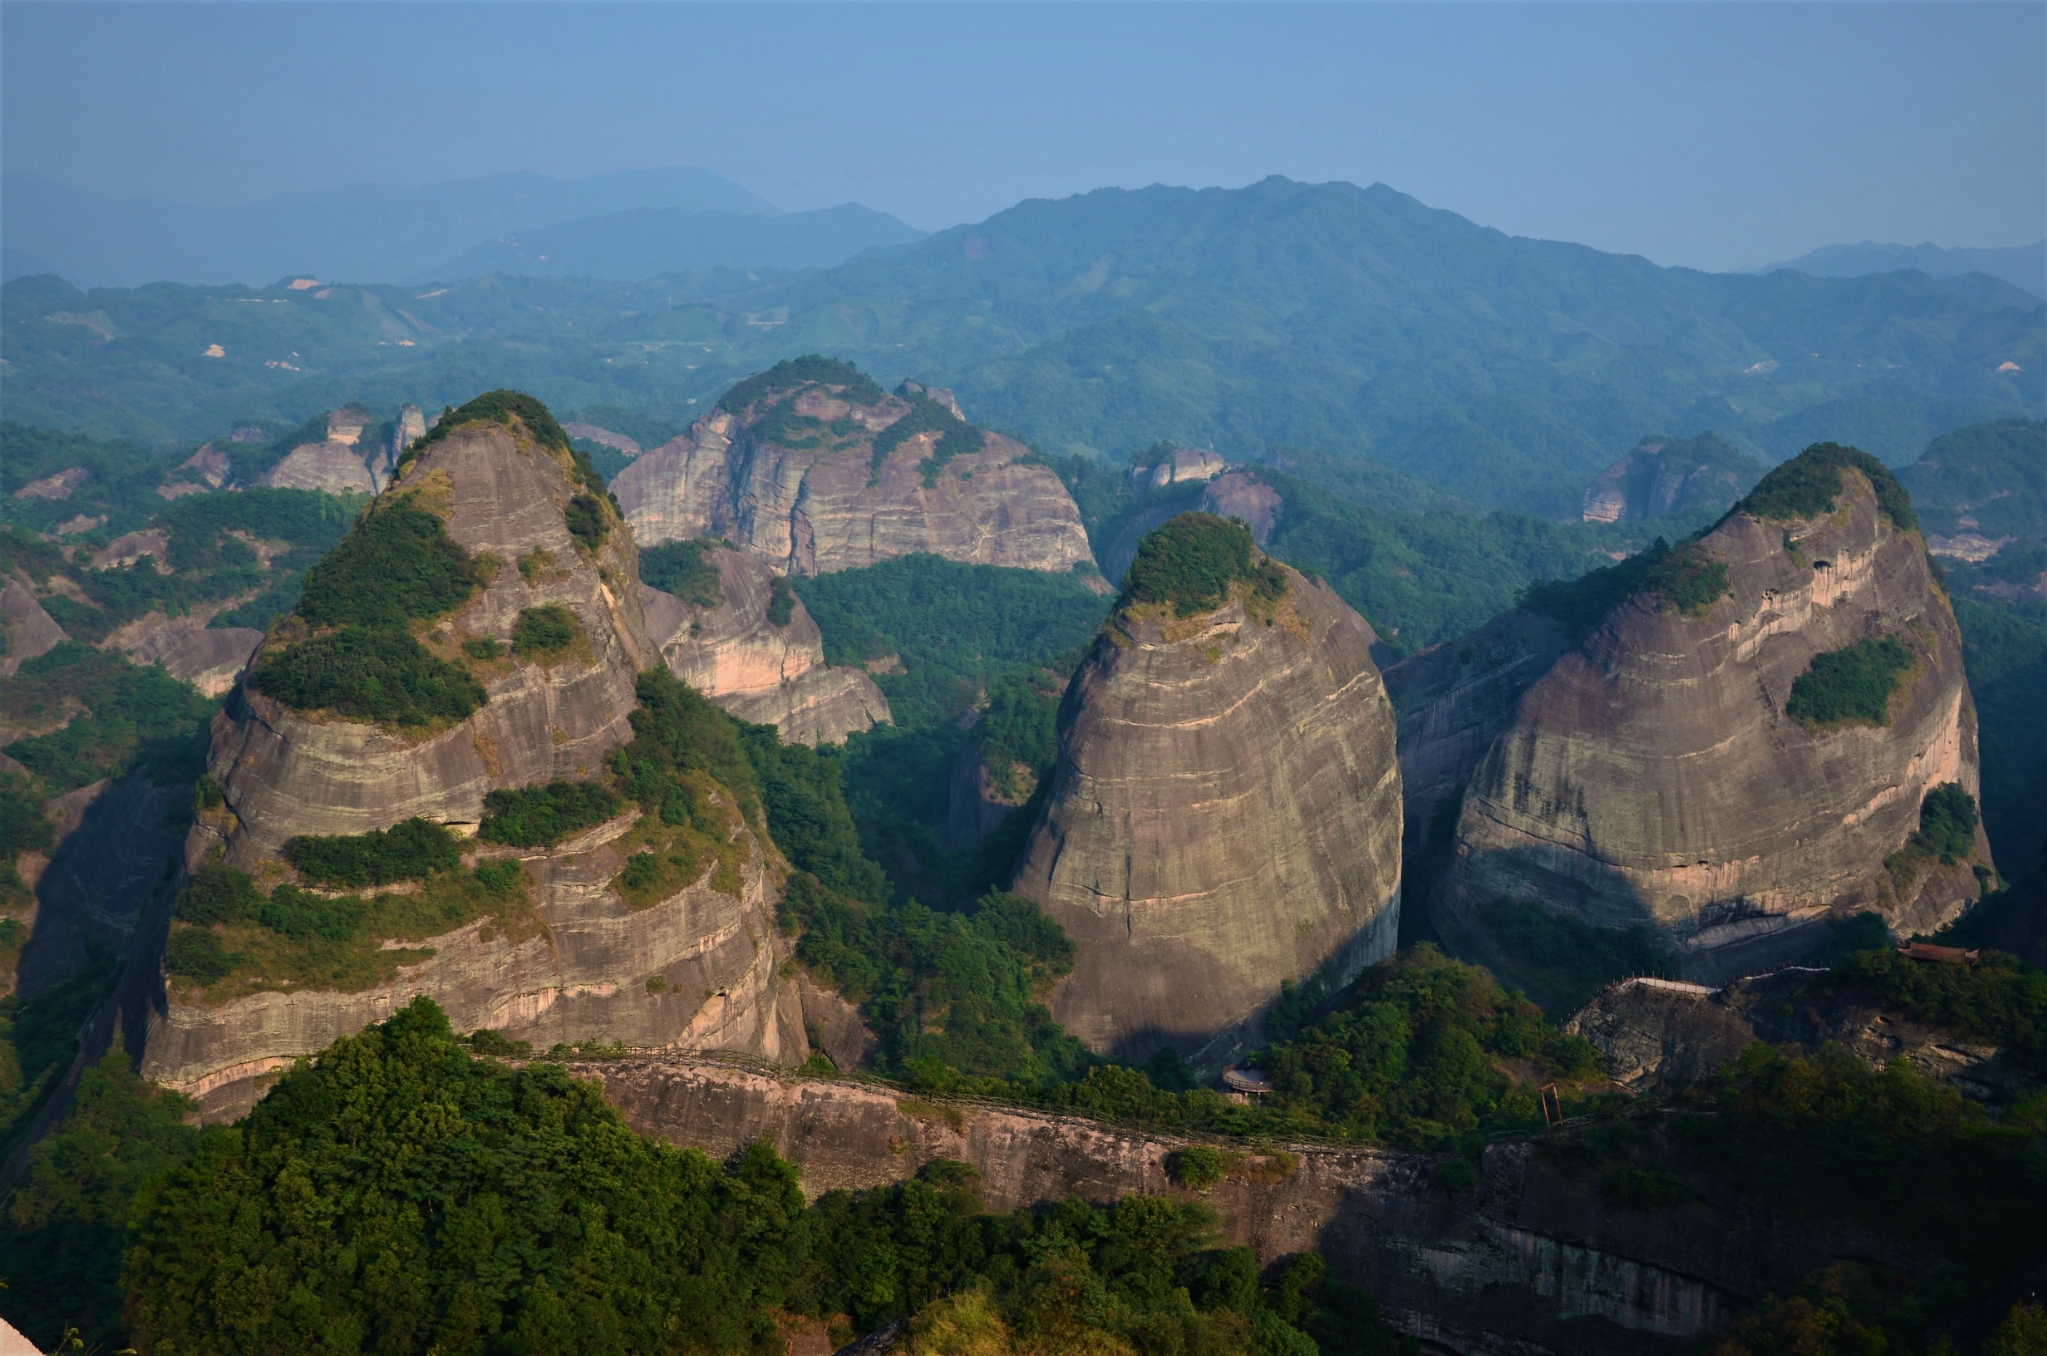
x=1410 y=1056
x=2004 y=649
x=411 y=849
x=1947 y=823
x=959 y=990
x=955 y=438
x=1684 y=578
x=128 y=716
x=781 y=601
x=955 y=627
x=61 y=1257
x=225 y=927
x=1808 y=484
x=1563 y=960
x=587 y=521
x=397 y=565
x=1994 y=474
x=1190 y=563
x=495 y=407
x=1827 y=1135
x=378 y=674
x=546 y=633
x=685 y=569
x=121 y=476
x=792 y=373
x=554 y=1228
x=1851 y=686
x=1998 y=999
x=541 y=816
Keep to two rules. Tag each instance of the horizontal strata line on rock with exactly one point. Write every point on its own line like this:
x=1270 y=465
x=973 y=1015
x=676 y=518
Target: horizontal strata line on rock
x=1228 y=711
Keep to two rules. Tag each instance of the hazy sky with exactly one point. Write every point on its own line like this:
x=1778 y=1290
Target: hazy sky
x=1713 y=135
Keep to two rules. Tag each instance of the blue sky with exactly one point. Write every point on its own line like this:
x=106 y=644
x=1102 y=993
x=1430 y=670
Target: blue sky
x=1716 y=135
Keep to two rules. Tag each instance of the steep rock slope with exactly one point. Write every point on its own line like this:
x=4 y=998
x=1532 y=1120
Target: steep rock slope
x=1670 y=476
x=696 y=967
x=812 y=467
x=1654 y=776
x=1224 y=814
x=735 y=654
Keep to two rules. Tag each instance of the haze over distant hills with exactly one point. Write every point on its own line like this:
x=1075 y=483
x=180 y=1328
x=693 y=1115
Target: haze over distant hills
x=1354 y=321
x=2020 y=265
x=646 y=242
x=368 y=232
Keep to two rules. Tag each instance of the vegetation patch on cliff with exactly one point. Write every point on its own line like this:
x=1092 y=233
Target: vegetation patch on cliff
x=1808 y=484
x=361 y=673
x=541 y=816
x=954 y=438
x=1685 y=578
x=548 y=634
x=229 y=939
x=1851 y=686
x=396 y=566
x=686 y=569
x=493 y=407
x=1999 y=999
x=1190 y=564
x=793 y=373
x=411 y=849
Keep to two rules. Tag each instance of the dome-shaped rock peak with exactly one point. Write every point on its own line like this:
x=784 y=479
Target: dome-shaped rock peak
x=1740 y=748
x=413 y=790
x=1224 y=815
x=813 y=467
x=735 y=631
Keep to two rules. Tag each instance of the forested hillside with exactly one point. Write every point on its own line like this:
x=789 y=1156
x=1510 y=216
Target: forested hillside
x=1353 y=321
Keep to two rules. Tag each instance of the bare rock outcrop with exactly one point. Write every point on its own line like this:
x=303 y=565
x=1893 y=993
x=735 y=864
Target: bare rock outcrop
x=30 y=631
x=811 y=467
x=333 y=466
x=209 y=658
x=1653 y=776
x=699 y=968
x=1664 y=476
x=1224 y=816
x=759 y=671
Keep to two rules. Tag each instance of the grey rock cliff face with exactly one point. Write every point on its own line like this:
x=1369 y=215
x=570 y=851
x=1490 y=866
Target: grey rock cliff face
x=1652 y=777
x=810 y=510
x=768 y=674
x=285 y=773
x=586 y=975
x=1527 y=1262
x=1224 y=815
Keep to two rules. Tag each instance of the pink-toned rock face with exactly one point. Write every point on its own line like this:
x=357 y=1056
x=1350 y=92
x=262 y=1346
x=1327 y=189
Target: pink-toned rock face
x=1224 y=816
x=824 y=506
x=760 y=672
x=1652 y=777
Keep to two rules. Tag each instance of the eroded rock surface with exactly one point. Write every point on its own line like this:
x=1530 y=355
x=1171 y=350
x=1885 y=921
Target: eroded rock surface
x=1664 y=476
x=209 y=658
x=1224 y=815
x=333 y=466
x=30 y=630
x=1652 y=776
x=791 y=479
x=697 y=969
x=761 y=672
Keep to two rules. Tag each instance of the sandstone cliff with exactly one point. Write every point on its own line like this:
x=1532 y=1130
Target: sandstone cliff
x=1664 y=476
x=1653 y=777
x=1528 y=1261
x=771 y=675
x=697 y=968
x=787 y=468
x=1224 y=816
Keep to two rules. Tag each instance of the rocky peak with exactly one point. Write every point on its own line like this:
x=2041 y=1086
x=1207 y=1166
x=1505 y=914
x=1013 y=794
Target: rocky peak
x=1740 y=746
x=812 y=467
x=1224 y=815
x=743 y=638
x=1670 y=475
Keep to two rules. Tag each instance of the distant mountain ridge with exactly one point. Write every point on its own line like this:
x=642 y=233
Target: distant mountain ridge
x=646 y=242
x=369 y=232
x=2020 y=265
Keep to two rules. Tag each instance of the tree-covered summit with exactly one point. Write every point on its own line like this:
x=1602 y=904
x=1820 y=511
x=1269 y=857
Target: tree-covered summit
x=1808 y=485
x=1191 y=564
